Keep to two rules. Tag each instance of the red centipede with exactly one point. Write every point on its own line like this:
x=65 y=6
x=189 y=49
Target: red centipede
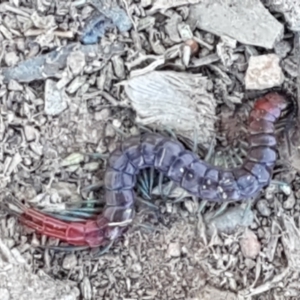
x=179 y=165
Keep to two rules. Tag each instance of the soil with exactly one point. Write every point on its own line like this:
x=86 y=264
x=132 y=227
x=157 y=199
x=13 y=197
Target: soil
x=64 y=110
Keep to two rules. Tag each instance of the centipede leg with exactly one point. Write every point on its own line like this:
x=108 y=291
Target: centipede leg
x=143 y=184
x=220 y=210
x=202 y=206
x=283 y=186
x=210 y=152
x=169 y=188
x=148 y=203
x=160 y=185
x=65 y=248
x=180 y=198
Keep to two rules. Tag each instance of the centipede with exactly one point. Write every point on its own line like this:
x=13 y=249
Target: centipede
x=180 y=165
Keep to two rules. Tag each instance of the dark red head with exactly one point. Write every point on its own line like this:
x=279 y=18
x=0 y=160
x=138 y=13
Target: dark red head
x=272 y=103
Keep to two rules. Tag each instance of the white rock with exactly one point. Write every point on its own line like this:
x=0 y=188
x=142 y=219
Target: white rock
x=30 y=133
x=173 y=250
x=263 y=72
x=55 y=99
x=69 y=262
x=250 y=246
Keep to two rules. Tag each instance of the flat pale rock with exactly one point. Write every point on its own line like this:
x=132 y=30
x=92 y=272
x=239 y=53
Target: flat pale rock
x=263 y=72
x=248 y=22
x=177 y=101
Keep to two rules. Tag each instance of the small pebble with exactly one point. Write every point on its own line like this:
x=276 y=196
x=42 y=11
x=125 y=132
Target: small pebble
x=110 y=131
x=290 y=202
x=250 y=263
x=76 y=62
x=137 y=268
x=14 y=86
x=250 y=246
x=263 y=72
x=102 y=115
x=173 y=250
x=11 y=59
x=282 y=48
x=263 y=208
x=69 y=262
x=270 y=191
x=30 y=133
x=117 y=123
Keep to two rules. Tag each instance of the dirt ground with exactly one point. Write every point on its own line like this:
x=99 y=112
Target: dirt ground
x=62 y=112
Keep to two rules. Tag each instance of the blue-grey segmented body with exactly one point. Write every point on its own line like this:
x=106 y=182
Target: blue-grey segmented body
x=188 y=171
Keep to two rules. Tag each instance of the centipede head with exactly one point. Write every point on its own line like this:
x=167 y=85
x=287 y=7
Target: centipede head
x=288 y=106
x=277 y=99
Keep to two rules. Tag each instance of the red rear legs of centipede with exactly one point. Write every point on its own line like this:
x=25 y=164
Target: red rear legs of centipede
x=91 y=233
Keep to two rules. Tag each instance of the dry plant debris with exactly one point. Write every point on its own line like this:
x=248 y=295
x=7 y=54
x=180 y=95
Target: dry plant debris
x=50 y=145
x=18 y=282
x=179 y=101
